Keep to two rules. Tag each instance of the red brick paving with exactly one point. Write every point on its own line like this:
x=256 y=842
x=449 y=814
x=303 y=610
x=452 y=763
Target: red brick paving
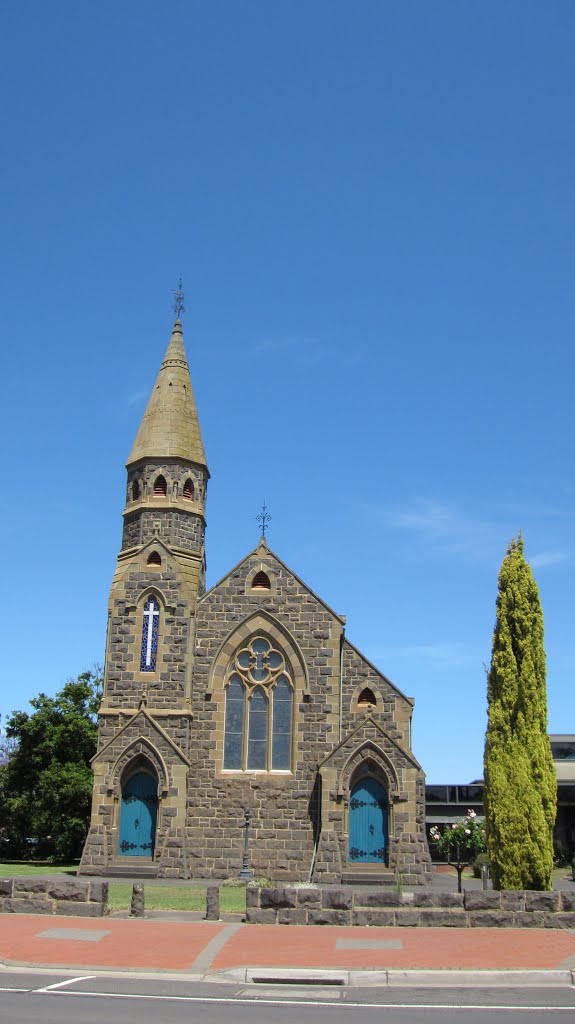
x=174 y=945
x=148 y=945
x=292 y=946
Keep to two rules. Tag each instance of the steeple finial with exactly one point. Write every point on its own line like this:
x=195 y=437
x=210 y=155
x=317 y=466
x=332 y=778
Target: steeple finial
x=178 y=303
x=263 y=519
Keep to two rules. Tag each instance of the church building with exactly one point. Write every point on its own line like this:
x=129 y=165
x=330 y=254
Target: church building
x=245 y=702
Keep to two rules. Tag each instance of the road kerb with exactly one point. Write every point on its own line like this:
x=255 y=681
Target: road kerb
x=397 y=978
x=488 y=978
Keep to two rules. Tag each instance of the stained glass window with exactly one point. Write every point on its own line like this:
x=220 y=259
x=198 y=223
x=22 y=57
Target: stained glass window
x=150 y=626
x=259 y=710
x=234 y=724
x=258 y=730
x=281 y=729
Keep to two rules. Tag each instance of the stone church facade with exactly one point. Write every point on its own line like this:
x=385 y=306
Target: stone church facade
x=246 y=698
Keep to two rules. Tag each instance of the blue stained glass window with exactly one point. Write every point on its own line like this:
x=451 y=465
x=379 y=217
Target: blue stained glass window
x=234 y=738
x=281 y=728
x=258 y=718
x=150 y=628
x=258 y=730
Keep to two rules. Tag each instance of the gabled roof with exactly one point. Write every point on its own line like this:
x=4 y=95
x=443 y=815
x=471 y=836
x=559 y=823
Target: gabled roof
x=360 y=654
x=378 y=729
x=158 y=728
x=263 y=551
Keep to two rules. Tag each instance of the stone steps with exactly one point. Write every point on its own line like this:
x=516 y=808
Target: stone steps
x=132 y=871
x=368 y=874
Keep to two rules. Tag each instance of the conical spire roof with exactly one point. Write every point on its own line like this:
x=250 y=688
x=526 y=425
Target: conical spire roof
x=170 y=427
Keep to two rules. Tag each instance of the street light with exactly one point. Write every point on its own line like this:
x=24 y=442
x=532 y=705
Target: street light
x=245 y=871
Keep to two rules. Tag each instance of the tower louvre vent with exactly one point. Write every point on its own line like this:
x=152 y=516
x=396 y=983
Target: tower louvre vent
x=154 y=558
x=366 y=698
x=261 y=581
x=135 y=491
x=189 y=490
x=160 y=486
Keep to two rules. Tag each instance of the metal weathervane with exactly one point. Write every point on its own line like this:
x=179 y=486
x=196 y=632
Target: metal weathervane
x=178 y=304
x=263 y=519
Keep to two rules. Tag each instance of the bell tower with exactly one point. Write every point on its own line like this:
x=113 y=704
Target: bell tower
x=167 y=470
x=160 y=572
x=145 y=717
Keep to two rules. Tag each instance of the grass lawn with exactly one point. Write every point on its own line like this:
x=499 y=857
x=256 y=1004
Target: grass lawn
x=158 y=897
x=178 y=897
x=448 y=869
x=18 y=870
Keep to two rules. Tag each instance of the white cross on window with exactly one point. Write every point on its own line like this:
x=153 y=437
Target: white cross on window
x=151 y=611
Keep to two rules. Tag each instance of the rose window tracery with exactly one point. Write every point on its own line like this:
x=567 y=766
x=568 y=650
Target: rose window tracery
x=259 y=709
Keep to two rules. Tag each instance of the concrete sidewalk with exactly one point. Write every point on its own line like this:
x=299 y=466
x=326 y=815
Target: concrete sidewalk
x=234 y=951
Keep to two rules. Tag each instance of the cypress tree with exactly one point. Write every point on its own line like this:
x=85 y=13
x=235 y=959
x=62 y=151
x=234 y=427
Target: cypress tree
x=520 y=781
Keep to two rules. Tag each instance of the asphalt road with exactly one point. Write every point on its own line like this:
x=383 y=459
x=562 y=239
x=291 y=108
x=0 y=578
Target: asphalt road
x=54 y=998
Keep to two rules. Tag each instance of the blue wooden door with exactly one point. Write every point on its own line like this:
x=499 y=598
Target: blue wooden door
x=368 y=822
x=138 y=818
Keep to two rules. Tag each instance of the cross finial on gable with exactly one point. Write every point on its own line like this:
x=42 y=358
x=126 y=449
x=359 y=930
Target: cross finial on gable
x=263 y=519
x=178 y=303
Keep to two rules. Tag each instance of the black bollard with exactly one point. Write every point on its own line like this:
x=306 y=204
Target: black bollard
x=213 y=903
x=137 y=904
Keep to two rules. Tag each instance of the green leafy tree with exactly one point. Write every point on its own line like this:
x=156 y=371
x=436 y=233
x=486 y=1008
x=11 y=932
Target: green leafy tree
x=46 y=780
x=461 y=842
x=520 y=782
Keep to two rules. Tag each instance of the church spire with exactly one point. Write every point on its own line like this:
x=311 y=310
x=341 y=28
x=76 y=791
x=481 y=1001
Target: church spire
x=170 y=427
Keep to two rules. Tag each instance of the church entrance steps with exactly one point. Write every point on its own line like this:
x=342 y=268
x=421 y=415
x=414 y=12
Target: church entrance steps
x=368 y=874
x=132 y=870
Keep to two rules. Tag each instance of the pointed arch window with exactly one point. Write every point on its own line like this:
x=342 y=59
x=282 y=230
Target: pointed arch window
x=150 y=632
x=154 y=558
x=188 y=490
x=366 y=698
x=259 y=710
x=261 y=581
x=135 y=491
x=160 y=486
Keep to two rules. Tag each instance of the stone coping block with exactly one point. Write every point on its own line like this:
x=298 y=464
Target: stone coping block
x=62 y=896
x=345 y=906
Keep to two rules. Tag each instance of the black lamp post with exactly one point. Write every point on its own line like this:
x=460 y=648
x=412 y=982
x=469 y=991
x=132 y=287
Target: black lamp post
x=245 y=871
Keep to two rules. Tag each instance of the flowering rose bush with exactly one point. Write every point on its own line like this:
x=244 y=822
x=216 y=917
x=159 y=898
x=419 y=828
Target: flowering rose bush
x=461 y=842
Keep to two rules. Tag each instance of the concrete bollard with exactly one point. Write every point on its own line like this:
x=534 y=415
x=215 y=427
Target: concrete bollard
x=137 y=904
x=212 y=903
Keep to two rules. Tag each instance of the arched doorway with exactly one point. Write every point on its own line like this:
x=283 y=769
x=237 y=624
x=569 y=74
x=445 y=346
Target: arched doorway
x=138 y=816
x=368 y=822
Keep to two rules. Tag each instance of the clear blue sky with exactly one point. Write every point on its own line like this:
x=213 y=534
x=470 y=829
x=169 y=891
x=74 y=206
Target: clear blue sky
x=372 y=209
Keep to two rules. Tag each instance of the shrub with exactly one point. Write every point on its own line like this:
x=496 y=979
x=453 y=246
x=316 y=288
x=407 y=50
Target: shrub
x=480 y=860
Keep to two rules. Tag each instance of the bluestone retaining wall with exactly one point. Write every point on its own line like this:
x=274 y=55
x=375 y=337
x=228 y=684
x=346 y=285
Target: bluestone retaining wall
x=62 y=896
x=292 y=905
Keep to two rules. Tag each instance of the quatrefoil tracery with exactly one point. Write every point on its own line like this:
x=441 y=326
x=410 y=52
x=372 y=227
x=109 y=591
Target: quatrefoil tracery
x=259 y=663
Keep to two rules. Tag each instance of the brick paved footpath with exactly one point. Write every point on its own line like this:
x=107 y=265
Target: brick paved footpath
x=202 y=947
